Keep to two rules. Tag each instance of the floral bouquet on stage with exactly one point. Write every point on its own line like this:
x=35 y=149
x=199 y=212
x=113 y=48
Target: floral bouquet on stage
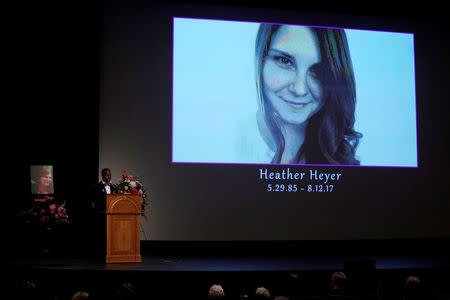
x=46 y=215
x=46 y=212
x=128 y=184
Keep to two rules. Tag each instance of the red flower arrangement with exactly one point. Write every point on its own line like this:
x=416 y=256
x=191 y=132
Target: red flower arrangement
x=128 y=184
x=46 y=212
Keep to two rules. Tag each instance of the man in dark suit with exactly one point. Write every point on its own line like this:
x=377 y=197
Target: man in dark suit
x=101 y=189
x=97 y=216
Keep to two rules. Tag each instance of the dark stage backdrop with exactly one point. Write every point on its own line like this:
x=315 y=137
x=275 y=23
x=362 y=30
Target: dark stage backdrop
x=224 y=202
x=56 y=110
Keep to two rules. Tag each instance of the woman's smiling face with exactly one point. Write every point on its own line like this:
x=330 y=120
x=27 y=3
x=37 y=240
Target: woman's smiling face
x=46 y=180
x=290 y=81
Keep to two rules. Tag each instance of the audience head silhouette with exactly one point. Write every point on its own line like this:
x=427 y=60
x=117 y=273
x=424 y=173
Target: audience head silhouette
x=338 y=280
x=80 y=295
x=29 y=290
x=262 y=293
x=413 y=288
x=216 y=292
x=126 y=291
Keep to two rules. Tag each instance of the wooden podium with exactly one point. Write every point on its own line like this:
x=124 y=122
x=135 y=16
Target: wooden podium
x=123 y=216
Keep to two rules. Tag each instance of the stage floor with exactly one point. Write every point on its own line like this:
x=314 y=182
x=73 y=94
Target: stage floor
x=237 y=263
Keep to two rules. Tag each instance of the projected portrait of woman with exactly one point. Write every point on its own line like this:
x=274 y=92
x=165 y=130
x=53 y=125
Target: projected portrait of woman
x=306 y=95
x=261 y=93
x=41 y=180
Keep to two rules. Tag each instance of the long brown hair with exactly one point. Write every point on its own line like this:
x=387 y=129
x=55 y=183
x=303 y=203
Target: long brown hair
x=329 y=137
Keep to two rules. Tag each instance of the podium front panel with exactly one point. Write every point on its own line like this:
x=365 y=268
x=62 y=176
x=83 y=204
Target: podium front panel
x=123 y=228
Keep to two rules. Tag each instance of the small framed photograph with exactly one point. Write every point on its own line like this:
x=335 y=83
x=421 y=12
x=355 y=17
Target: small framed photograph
x=41 y=179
